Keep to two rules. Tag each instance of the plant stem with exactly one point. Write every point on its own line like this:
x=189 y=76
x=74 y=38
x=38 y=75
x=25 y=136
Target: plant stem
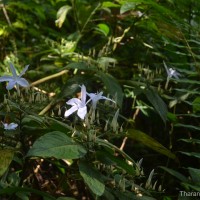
x=49 y=77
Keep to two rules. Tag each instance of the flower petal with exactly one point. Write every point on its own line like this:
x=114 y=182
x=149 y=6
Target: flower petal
x=13 y=70
x=82 y=112
x=24 y=70
x=6 y=78
x=83 y=94
x=74 y=101
x=70 y=111
x=11 y=126
x=23 y=82
x=11 y=84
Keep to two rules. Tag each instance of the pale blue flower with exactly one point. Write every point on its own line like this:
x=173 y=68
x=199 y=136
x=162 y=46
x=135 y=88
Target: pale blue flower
x=11 y=126
x=78 y=105
x=96 y=97
x=15 y=79
x=171 y=72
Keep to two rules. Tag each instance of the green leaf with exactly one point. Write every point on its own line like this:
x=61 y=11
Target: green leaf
x=109 y=159
x=196 y=105
x=157 y=103
x=13 y=190
x=127 y=7
x=149 y=142
x=109 y=4
x=65 y=198
x=175 y=174
x=112 y=86
x=103 y=28
x=92 y=178
x=195 y=175
x=57 y=144
x=61 y=15
x=187 y=126
x=6 y=156
x=81 y=66
x=196 y=141
x=193 y=154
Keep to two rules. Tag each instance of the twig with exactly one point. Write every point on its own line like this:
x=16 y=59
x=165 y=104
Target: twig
x=49 y=77
x=47 y=107
x=6 y=14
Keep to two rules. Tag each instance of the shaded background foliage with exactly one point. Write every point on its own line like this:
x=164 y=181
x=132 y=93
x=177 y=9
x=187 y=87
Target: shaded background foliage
x=118 y=46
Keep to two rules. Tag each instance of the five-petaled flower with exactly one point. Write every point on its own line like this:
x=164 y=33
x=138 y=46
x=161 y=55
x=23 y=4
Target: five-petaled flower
x=11 y=126
x=78 y=105
x=171 y=72
x=15 y=79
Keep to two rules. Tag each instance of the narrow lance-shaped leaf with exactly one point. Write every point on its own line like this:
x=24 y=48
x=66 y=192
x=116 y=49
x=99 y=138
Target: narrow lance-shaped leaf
x=157 y=103
x=149 y=142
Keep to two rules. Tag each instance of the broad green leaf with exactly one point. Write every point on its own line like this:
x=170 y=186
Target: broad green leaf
x=61 y=15
x=196 y=105
x=157 y=103
x=127 y=6
x=103 y=28
x=65 y=198
x=109 y=159
x=109 y=4
x=149 y=142
x=172 y=117
x=105 y=62
x=175 y=174
x=57 y=125
x=92 y=178
x=112 y=86
x=58 y=145
x=6 y=156
x=81 y=66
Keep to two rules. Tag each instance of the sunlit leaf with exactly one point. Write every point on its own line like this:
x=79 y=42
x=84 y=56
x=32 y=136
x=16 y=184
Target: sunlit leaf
x=149 y=142
x=6 y=156
x=127 y=6
x=92 y=178
x=61 y=15
x=196 y=105
x=65 y=198
x=103 y=28
x=109 y=4
x=81 y=66
x=58 y=145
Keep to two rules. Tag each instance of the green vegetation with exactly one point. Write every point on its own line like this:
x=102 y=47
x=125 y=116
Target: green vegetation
x=112 y=107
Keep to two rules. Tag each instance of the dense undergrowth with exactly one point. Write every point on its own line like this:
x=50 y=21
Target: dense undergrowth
x=108 y=104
